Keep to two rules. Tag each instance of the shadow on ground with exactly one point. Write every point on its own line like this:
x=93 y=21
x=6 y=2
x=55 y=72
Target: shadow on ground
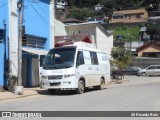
x=64 y=92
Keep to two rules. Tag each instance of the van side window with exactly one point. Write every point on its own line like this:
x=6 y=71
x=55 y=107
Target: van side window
x=94 y=59
x=80 y=58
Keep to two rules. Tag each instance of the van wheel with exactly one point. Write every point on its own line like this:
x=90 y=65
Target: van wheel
x=101 y=86
x=144 y=74
x=80 y=88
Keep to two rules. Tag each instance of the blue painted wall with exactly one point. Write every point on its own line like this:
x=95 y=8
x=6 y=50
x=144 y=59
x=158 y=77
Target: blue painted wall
x=3 y=17
x=36 y=19
x=1 y=65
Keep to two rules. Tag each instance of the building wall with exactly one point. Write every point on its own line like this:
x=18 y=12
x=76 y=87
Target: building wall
x=130 y=16
x=37 y=19
x=60 y=28
x=13 y=37
x=3 y=19
x=89 y=29
x=150 y=49
x=2 y=65
x=104 y=42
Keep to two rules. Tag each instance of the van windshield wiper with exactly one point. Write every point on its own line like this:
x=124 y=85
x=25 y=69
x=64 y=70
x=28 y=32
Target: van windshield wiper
x=49 y=66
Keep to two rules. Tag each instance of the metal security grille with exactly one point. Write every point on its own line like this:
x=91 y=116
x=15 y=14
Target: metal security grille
x=33 y=41
x=52 y=77
x=1 y=35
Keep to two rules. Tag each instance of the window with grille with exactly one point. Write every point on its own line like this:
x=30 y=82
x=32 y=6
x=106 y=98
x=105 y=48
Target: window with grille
x=33 y=41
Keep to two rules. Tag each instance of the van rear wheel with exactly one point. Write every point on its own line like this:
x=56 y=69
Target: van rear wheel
x=101 y=86
x=80 y=88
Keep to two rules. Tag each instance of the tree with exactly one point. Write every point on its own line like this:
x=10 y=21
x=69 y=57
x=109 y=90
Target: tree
x=108 y=6
x=81 y=14
x=121 y=57
x=153 y=29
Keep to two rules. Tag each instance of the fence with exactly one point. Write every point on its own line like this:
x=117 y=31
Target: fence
x=144 y=62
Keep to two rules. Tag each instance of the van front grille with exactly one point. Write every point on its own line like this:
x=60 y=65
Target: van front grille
x=53 y=77
x=55 y=84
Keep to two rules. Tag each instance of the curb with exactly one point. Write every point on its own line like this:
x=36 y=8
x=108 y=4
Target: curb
x=20 y=96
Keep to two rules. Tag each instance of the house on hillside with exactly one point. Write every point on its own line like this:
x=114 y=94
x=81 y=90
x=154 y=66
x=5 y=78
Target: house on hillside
x=102 y=39
x=37 y=38
x=98 y=7
x=70 y=21
x=154 y=15
x=60 y=9
x=150 y=49
x=129 y=16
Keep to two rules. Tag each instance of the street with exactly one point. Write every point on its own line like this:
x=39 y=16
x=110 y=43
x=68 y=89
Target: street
x=137 y=93
x=134 y=94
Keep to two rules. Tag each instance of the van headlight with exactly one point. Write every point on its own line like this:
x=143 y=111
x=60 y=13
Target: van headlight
x=68 y=75
x=44 y=77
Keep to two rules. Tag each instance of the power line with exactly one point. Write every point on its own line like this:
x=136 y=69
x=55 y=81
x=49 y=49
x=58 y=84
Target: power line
x=53 y=20
x=42 y=17
x=38 y=14
x=2 y=5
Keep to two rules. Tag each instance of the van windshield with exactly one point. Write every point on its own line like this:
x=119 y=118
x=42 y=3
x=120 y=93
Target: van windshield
x=60 y=58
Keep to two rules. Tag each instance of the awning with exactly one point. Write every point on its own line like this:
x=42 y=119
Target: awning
x=35 y=51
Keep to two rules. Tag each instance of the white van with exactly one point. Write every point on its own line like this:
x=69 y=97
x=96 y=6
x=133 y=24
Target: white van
x=75 y=67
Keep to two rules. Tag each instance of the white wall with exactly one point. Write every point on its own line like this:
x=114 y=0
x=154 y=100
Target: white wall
x=104 y=42
x=52 y=24
x=89 y=29
x=98 y=37
x=13 y=37
x=60 y=29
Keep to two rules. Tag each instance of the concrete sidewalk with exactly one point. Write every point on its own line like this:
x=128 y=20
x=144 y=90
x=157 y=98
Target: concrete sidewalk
x=6 y=95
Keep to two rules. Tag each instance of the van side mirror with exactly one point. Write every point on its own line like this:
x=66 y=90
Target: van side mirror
x=78 y=63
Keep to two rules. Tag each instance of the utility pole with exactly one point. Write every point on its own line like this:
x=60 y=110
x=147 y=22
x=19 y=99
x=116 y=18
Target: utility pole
x=20 y=20
x=52 y=24
x=5 y=75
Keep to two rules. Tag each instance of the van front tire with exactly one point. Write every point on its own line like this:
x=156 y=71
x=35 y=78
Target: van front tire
x=81 y=87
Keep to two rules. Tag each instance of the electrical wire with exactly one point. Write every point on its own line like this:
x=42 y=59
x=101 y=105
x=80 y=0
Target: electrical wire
x=2 y=5
x=38 y=14
x=42 y=17
x=53 y=20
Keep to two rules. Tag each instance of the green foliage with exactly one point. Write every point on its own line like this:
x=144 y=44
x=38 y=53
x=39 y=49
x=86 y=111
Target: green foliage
x=139 y=3
x=121 y=57
x=128 y=33
x=81 y=14
x=153 y=29
x=109 y=6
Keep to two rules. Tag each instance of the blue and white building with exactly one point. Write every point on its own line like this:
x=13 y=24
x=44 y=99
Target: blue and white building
x=4 y=20
x=38 y=37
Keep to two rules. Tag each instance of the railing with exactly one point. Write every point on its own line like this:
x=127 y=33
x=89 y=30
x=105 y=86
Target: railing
x=33 y=41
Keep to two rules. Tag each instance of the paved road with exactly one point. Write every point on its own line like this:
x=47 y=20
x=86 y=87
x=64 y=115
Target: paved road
x=135 y=94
